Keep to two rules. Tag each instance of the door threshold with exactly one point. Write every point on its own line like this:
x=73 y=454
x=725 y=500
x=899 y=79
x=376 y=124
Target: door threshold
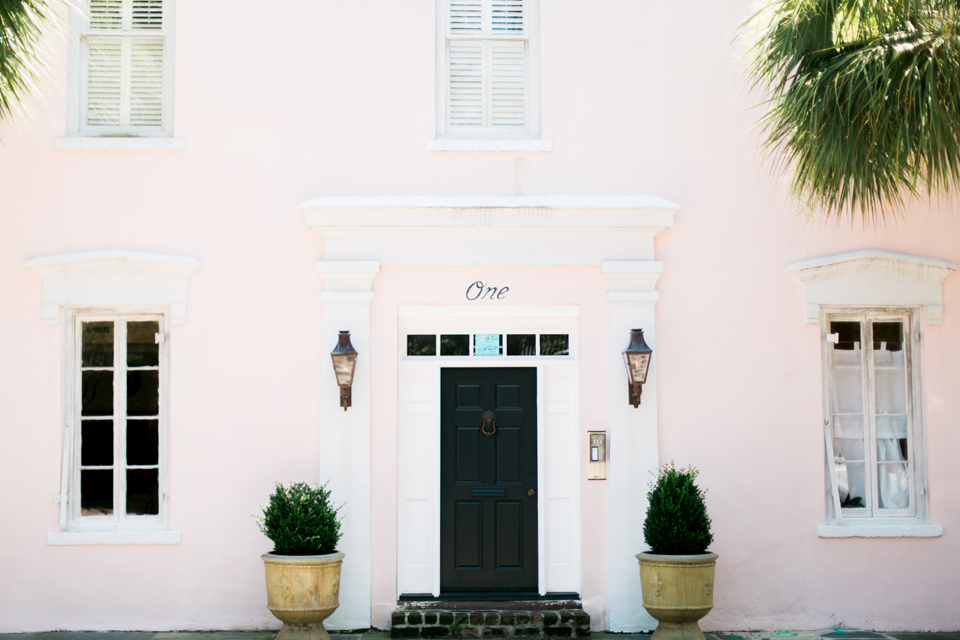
x=490 y=600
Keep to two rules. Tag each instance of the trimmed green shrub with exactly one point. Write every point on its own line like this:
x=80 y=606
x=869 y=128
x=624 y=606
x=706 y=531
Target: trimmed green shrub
x=677 y=522
x=301 y=521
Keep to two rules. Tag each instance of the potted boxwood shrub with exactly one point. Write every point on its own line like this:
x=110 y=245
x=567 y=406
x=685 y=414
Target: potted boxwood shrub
x=677 y=573
x=303 y=570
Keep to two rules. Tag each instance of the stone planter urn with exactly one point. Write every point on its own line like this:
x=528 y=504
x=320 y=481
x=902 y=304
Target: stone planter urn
x=677 y=591
x=303 y=591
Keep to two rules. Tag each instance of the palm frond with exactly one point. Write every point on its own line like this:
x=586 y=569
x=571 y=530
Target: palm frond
x=23 y=24
x=865 y=99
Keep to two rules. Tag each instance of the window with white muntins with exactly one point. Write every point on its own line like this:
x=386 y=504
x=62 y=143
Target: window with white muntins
x=489 y=68
x=125 y=67
x=874 y=421
x=117 y=437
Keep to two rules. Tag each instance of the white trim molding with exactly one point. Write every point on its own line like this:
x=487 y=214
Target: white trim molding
x=489 y=230
x=850 y=530
x=460 y=144
x=77 y=538
x=118 y=143
x=114 y=278
x=873 y=278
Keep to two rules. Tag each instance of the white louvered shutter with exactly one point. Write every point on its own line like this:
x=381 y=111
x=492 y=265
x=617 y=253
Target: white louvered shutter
x=124 y=81
x=466 y=83
x=487 y=53
x=507 y=83
x=103 y=81
x=507 y=16
x=466 y=16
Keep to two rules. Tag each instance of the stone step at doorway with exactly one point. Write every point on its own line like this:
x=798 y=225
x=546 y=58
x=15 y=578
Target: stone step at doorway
x=501 y=620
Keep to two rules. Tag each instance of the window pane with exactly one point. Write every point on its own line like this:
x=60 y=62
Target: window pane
x=888 y=344
x=96 y=492
x=487 y=344
x=892 y=427
x=847 y=391
x=96 y=344
x=143 y=487
x=522 y=345
x=848 y=427
x=142 y=347
x=852 y=482
x=455 y=345
x=891 y=391
x=96 y=443
x=143 y=442
x=846 y=352
x=894 y=483
x=848 y=449
x=143 y=393
x=97 y=393
x=554 y=344
x=422 y=345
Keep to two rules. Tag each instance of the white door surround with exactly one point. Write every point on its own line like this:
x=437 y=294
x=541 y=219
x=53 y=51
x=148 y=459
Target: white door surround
x=418 y=445
x=613 y=233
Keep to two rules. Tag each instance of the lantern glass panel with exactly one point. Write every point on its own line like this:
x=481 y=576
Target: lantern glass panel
x=637 y=365
x=343 y=365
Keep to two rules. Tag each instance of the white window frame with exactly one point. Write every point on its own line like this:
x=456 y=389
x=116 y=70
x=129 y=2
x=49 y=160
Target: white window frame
x=489 y=134
x=71 y=519
x=870 y=521
x=76 y=80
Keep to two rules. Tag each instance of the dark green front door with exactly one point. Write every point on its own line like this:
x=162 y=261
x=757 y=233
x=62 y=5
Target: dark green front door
x=488 y=481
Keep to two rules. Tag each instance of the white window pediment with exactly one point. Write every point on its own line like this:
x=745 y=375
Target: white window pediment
x=873 y=278
x=114 y=278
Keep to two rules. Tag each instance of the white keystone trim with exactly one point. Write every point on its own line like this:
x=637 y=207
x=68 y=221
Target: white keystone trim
x=489 y=230
x=873 y=278
x=114 y=278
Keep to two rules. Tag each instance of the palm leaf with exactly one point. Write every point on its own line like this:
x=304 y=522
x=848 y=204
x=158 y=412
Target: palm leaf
x=23 y=24
x=864 y=101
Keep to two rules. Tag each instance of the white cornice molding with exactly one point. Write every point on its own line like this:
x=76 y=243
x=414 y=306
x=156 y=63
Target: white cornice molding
x=114 y=278
x=873 y=278
x=489 y=230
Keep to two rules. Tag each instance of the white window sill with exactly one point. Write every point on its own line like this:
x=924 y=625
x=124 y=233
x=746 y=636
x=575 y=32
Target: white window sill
x=489 y=145
x=856 y=530
x=68 y=538
x=111 y=143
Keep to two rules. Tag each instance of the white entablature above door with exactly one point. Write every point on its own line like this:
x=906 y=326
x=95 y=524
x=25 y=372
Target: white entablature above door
x=489 y=230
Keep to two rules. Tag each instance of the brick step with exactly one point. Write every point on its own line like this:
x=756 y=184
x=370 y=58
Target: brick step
x=502 y=623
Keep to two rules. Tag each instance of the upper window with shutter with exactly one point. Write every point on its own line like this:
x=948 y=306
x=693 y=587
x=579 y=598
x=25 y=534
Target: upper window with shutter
x=125 y=67
x=489 y=61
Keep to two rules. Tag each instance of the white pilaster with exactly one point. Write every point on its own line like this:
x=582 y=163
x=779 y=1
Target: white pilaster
x=345 y=435
x=632 y=443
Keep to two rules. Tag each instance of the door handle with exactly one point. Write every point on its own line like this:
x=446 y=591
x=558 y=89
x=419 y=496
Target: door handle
x=531 y=493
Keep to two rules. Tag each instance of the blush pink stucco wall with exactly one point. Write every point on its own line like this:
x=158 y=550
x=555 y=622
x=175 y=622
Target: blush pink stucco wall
x=338 y=101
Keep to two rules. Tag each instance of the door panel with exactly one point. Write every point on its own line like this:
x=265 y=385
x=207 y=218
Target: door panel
x=488 y=519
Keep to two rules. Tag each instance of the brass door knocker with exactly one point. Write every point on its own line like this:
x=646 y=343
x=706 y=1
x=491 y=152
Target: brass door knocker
x=489 y=420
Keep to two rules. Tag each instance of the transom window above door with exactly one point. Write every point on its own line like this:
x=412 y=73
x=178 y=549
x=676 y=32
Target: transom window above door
x=489 y=344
